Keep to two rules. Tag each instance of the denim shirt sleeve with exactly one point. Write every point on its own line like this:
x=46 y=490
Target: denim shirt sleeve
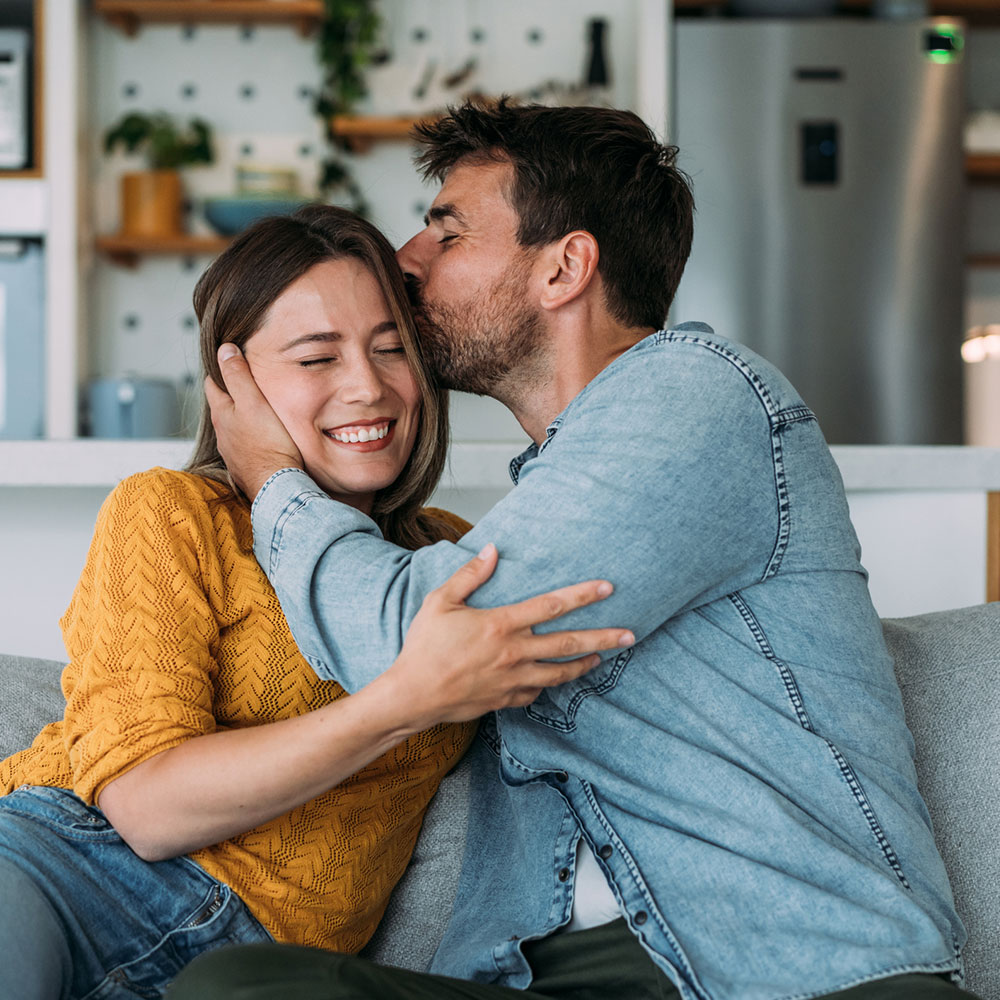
x=660 y=478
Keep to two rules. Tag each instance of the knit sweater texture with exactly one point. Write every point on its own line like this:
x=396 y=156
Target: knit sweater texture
x=173 y=632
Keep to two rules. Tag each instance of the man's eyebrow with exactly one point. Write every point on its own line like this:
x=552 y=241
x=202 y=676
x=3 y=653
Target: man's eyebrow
x=438 y=213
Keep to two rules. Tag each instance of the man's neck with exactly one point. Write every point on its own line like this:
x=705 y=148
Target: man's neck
x=537 y=396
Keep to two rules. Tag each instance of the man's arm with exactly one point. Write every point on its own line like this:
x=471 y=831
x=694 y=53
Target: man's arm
x=674 y=504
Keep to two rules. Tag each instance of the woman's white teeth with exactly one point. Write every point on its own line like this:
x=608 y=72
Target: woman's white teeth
x=361 y=434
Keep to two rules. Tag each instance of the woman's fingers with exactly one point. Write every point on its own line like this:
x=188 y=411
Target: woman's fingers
x=468 y=577
x=556 y=603
x=558 y=645
x=533 y=678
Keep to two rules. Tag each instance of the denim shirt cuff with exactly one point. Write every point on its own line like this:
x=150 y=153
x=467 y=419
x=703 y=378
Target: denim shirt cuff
x=276 y=496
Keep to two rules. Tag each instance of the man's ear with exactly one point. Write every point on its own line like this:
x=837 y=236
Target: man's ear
x=568 y=268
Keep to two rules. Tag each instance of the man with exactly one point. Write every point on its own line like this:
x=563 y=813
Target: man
x=727 y=811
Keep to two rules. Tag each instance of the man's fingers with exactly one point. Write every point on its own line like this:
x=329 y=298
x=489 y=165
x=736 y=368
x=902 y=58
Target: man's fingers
x=556 y=603
x=236 y=372
x=467 y=578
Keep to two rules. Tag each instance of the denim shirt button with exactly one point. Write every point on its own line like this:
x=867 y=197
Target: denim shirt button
x=563 y=874
x=605 y=851
x=562 y=776
x=641 y=917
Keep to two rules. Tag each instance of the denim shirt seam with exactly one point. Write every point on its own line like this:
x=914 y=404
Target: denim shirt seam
x=640 y=884
x=847 y=772
x=930 y=968
x=294 y=505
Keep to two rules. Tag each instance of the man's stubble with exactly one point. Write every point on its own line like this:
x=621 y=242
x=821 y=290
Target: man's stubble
x=488 y=342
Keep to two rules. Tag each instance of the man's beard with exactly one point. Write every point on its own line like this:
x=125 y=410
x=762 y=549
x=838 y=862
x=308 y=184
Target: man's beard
x=491 y=340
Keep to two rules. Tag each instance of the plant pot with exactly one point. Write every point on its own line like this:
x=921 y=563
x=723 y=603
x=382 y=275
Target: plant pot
x=152 y=203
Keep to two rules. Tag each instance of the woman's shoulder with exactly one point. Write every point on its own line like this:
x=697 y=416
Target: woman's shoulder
x=159 y=482
x=168 y=495
x=452 y=527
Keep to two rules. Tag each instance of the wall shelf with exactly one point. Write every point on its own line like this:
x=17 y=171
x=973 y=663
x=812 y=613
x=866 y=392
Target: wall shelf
x=130 y=15
x=359 y=132
x=982 y=166
x=128 y=250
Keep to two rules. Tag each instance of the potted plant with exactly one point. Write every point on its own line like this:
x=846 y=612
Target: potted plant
x=152 y=200
x=348 y=36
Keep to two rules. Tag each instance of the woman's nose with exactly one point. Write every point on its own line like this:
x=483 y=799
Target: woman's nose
x=362 y=383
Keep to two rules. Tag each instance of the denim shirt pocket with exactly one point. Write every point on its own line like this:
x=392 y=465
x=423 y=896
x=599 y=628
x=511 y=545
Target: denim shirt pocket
x=557 y=707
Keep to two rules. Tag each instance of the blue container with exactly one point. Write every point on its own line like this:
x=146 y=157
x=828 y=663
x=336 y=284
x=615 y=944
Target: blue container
x=133 y=408
x=22 y=340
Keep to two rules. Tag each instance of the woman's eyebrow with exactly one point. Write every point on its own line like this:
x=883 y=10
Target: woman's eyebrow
x=319 y=337
x=333 y=336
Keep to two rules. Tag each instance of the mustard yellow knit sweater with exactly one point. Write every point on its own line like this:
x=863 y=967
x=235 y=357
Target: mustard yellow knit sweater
x=173 y=632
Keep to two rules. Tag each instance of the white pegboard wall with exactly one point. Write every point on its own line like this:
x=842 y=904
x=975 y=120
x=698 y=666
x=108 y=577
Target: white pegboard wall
x=255 y=87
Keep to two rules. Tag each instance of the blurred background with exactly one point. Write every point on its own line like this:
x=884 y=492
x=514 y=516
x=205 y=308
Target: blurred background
x=845 y=158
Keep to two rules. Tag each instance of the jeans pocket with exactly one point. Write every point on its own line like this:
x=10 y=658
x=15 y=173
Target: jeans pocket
x=557 y=707
x=63 y=812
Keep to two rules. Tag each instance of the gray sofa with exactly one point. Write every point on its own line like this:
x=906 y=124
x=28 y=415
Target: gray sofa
x=948 y=665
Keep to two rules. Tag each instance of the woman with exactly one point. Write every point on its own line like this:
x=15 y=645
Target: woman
x=203 y=786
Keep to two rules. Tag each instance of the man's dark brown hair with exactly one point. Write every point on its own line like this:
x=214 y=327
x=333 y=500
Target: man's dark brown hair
x=597 y=169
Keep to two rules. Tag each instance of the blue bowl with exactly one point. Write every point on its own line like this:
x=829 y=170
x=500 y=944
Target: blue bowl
x=229 y=216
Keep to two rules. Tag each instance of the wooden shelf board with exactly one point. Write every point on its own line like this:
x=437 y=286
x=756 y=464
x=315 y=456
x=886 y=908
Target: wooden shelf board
x=983 y=260
x=359 y=131
x=129 y=15
x=127 y=250
x=982 y=166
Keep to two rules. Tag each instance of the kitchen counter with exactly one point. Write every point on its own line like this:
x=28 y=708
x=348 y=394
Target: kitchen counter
x=920 y=513
x=483 y=465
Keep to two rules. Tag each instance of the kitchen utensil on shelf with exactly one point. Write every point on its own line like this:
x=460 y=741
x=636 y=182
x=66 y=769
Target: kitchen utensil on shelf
x=133 y=407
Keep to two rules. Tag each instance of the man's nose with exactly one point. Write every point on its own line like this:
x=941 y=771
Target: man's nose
x=411 y=256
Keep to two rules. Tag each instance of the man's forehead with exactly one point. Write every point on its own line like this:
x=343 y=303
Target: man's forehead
x=472 y=187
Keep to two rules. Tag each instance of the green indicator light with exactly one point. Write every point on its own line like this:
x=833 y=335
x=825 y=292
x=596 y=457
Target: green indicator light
x=944 y=43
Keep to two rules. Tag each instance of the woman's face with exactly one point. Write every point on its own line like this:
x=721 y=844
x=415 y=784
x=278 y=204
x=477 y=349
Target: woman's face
x=330 y=361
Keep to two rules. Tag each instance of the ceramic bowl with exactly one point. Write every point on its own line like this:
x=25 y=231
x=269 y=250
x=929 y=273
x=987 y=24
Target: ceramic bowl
x=229 y=216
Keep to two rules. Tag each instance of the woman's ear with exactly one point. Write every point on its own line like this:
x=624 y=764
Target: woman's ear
x=569 y=268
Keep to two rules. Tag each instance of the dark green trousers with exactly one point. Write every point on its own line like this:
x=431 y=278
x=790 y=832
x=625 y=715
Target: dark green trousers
x=603 y=963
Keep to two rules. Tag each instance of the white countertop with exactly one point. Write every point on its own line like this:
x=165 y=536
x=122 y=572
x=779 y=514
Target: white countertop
x=483 y=465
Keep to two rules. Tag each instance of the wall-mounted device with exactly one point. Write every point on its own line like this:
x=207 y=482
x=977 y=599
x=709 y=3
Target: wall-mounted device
x=14 y=113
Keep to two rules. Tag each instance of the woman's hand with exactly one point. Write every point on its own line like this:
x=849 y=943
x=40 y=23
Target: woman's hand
x=459 y=662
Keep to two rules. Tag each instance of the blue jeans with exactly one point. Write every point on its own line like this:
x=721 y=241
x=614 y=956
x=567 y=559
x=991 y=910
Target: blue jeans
x=81 y=916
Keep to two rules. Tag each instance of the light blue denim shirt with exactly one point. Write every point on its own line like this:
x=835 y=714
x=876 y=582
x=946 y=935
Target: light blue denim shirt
x=744 y=773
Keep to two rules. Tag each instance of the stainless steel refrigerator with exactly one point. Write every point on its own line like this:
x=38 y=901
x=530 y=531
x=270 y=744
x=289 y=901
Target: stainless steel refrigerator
x=826 y=157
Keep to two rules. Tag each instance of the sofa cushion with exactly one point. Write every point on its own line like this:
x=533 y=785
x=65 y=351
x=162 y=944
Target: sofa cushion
x=33 y=687
x=420 y=905
x=948 y=665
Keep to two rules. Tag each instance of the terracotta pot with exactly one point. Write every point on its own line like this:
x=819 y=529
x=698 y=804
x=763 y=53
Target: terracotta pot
x=152 y=203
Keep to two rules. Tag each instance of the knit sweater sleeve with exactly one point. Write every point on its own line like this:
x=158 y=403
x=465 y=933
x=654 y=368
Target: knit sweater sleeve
x=140 y=631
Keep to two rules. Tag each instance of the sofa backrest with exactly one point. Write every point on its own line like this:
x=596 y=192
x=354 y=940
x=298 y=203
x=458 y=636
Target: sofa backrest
x=948 y=666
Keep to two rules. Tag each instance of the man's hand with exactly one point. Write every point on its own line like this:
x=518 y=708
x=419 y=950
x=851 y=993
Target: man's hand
x=252 y=440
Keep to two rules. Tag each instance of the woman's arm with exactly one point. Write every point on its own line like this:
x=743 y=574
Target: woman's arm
x=457 y=663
